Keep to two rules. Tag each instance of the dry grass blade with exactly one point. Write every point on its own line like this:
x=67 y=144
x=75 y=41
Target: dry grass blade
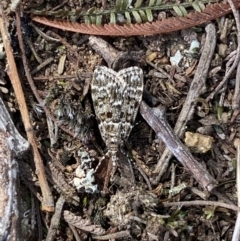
x=211 y=12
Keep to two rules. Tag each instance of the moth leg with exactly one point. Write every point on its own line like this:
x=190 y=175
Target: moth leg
x=107 y=178
x=111 y=168
x=113 y=155
x=100 y=163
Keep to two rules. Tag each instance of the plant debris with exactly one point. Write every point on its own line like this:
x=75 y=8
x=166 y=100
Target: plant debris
x=163 y=187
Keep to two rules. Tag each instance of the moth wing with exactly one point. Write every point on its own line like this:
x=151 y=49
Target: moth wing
x=106 y=94
x=131 y=97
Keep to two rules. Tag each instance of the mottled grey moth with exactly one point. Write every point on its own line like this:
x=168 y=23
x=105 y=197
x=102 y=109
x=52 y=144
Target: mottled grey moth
x=116 y=98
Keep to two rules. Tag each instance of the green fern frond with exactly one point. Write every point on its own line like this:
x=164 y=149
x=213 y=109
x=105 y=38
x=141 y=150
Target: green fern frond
x=124 y=13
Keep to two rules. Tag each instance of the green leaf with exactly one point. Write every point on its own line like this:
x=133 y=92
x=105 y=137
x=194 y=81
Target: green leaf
x=138 y=3
x=73 y=19
x=136 y=16
x=125 y=4
x=149 y=15
x=99 y=20
x=91 y=17
x=91 y=10
x=151 y=3
x=201 y=5
x=177 y=11
x=78 y=12
x=196 y=7
x=59 y=13
x=118 y=5
x=87 y=20
x=128 y=17
x=112 y=18
x=209 y=211
x=143 y=16
x=183 y=10
x=158 y=2
x=121 y=5
x=219 y=112
x=180 y=11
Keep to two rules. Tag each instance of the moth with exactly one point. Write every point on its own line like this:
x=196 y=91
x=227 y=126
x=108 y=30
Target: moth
x=116 y=98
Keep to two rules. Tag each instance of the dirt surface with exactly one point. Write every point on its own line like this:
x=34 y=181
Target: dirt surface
x=134 y=203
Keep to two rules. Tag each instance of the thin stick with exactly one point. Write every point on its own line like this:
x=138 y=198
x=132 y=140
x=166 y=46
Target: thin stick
x=52 y=231
x=47 y=204
x=196 y=89
x=156 y=118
